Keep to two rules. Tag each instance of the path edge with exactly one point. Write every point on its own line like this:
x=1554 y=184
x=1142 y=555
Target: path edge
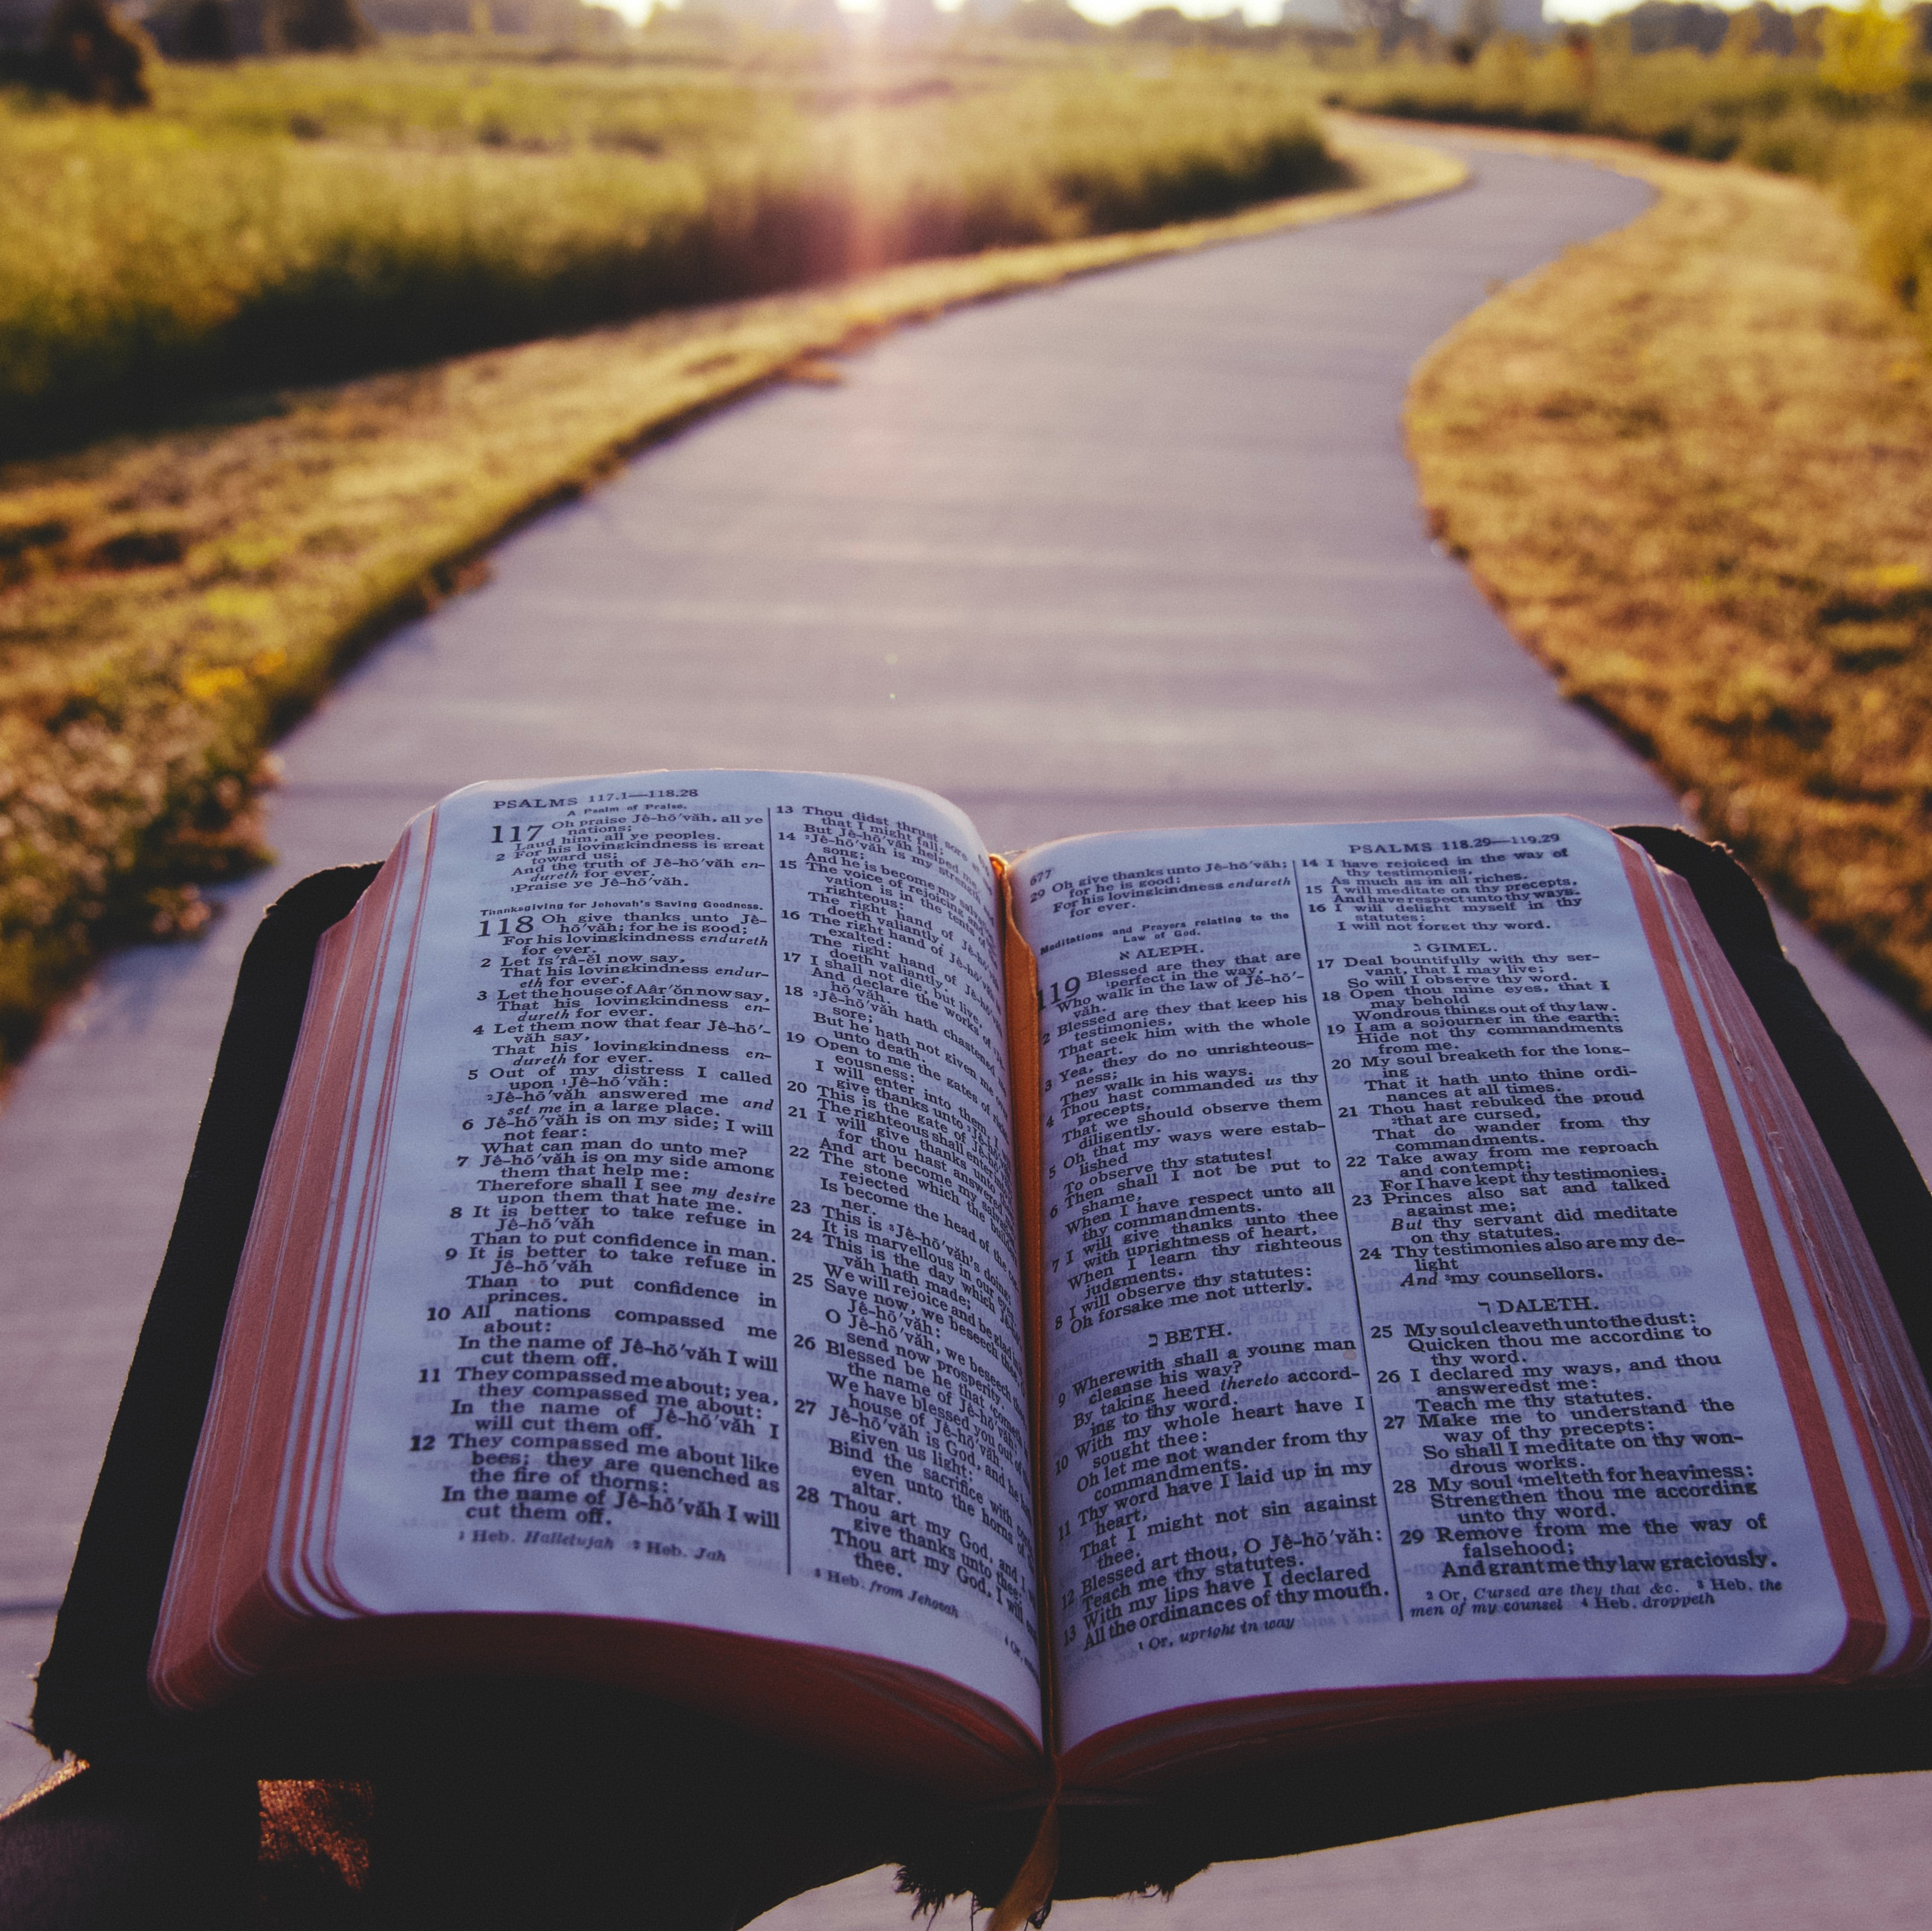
x=755 y=344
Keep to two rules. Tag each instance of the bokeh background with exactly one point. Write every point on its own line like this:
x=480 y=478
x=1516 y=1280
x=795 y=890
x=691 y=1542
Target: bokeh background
x=1603 y=483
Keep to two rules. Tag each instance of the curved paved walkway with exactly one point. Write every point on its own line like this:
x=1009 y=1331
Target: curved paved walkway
x=1141 y=549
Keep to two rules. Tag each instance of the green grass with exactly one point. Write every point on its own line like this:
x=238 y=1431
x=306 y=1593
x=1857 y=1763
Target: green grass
x=304 y=220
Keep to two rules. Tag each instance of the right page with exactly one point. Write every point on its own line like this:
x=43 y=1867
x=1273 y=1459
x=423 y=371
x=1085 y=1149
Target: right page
x=1404 y=1325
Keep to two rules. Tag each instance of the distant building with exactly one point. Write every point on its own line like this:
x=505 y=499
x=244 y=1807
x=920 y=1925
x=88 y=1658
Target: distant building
x=1448 y=17
x=1512 y=16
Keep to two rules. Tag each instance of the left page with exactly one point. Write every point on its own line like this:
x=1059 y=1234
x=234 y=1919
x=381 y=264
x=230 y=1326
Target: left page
x=692 y=1294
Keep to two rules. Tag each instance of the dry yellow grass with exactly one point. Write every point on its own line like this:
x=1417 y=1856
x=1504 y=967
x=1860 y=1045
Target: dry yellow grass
x=1859 y=120
x=1691 y=463
x=169 y=602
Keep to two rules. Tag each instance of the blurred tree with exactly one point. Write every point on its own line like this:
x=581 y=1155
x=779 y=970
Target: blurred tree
x=1482 y=20
x=319 y=26
x=90 y=53
x=1657 y=25
x=558 y=21
x=1867 y=53
x=702 y=23
x=1808 y=32
x=207 y=34
x=1167 y=25
x=1388 y=20
x=1048 y=20
x=1767 y=29
x=1742 y=36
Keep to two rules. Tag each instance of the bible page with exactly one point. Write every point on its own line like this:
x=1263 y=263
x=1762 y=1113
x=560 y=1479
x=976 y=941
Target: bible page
x=694 y=1292
x=1398 y=1331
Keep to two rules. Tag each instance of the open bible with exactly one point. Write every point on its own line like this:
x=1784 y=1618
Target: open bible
x=1087 y=1317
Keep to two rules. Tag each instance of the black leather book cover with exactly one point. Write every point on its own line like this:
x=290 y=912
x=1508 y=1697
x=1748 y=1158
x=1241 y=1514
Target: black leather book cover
x=766 y=1823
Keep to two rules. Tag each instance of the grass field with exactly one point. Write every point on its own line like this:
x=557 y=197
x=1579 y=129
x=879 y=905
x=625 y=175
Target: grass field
x=1691 y=463
x=304 y=220
x=170 y=600
x=1723 y=423
x=1857 y=121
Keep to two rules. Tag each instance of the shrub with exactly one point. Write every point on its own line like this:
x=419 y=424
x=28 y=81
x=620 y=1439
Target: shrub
x=90 y=54
x=319 y=26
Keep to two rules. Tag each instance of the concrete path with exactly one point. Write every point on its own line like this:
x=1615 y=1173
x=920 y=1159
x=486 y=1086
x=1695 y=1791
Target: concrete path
x=1140 y=551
